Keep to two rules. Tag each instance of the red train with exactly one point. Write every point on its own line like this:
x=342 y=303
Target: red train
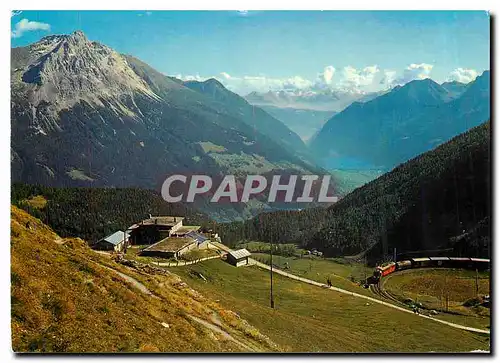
x=450 y=262
x=385 y=270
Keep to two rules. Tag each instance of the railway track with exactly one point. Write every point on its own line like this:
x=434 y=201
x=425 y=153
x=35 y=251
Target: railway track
x=380 y=291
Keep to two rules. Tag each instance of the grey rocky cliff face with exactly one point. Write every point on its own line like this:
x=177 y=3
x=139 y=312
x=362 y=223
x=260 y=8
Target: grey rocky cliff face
x=67 y=69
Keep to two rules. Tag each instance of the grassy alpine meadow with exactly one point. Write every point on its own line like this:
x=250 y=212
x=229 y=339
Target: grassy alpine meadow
x=450 y=291
x=65 y=298
x=310 y=319
x=343 y=274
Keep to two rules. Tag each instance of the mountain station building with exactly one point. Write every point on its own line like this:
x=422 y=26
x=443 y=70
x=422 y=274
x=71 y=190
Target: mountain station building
x=154 y=229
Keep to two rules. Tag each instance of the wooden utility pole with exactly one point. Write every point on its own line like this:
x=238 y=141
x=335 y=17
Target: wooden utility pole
x=364 y=266
x=125 y=241
x=477 y=283
x=271 y=255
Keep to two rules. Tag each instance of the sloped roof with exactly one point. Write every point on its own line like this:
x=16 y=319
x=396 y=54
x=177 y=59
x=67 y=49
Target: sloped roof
x=170 y=244
x=187 y=229
x=240 y=253
x=115 y=238
x=168 y=221
x=199 y=238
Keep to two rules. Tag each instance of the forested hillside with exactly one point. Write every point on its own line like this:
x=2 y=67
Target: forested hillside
x=92 y=213
x=440 y=199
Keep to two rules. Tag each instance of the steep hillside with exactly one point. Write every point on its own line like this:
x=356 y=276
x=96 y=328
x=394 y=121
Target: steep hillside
x=93 y=213
x=440 y=199
x=67 y=298
x=403 y=123
x=454 y=88
x=84 y=115
x=253 y=116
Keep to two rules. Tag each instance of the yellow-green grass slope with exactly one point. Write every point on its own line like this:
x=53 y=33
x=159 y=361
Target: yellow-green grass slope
x=444 y=290
x=343 y=273
x=65 y=298
x=311 y=319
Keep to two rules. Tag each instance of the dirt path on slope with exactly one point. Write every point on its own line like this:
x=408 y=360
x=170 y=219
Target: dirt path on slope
x=138 y=285
x=218 y=330
x=142 y=288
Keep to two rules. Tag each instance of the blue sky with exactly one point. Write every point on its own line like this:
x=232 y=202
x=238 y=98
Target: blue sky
x=294 y=50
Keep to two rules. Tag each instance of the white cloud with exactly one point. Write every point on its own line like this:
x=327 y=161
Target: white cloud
x=196 y=77
x=264 y=84
x=348 y=79
x=296 y=83
x=247 y=84
x=357 y=79
x=388 y=79
x=414 y=71
x=25 y=26
x=15 y=13
x=327 y=76
x=463 y=75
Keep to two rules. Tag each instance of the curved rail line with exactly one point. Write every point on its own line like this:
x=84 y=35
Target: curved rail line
x=377 y=301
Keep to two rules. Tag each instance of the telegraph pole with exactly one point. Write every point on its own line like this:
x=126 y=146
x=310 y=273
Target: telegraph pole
x=271 y=255
x=124 y=250
x=477 y=283
x=364 y=266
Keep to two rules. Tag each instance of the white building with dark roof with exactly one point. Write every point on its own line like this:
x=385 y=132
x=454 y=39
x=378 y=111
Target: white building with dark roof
x=238 y=258
x=113 y=242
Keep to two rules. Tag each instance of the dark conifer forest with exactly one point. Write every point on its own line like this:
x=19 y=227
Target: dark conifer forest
x=438 y=200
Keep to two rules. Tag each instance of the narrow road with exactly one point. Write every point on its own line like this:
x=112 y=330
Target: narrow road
x=377 y=301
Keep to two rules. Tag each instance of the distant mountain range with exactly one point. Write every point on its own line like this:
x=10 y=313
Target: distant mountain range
x=305 y=123
x=402 y=123
x=326 y=100
x=85 y=115
x=305 y=112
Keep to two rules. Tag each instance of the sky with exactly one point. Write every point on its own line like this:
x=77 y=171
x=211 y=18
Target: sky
x=298 y=51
